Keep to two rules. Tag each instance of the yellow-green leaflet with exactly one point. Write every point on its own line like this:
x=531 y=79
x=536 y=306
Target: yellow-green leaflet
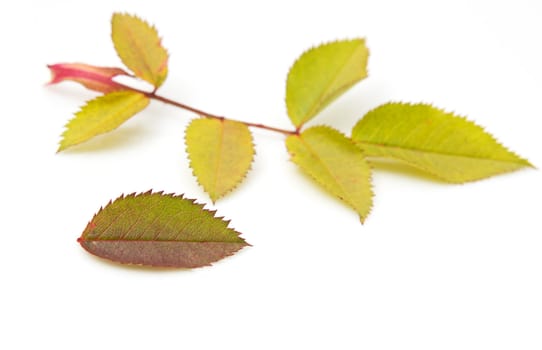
x=100 y=115
x=139 y=47
x=220 y=153
x=447 y=146
x=336 y=163
x=321 y=75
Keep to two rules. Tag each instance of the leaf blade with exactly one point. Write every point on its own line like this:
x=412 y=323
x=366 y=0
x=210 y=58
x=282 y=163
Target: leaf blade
x=102 y=114
x=443 y=144
x=220 y=152
x=161 y=230
x=139 y=47
x=322 y=74
x=336 y=163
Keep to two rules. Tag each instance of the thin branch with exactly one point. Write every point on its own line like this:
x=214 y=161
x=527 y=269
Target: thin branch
x=171 y=102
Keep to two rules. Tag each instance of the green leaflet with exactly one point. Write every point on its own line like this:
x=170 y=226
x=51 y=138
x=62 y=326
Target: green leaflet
x=158 y=229
x=447 y=146
x=139 y=47
x=336 y=163
x=102 y=114
x=220 y=153
x=321 y=75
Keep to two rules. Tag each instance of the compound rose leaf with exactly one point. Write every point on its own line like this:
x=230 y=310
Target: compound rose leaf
x=321 y=75
x=220 y=152
x=336 y=163
x=140 y=48
x=160 y=230
x=101 y=115
x=443 y=144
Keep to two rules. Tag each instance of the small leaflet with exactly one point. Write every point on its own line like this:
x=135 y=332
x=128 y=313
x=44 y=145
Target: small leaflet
x=321 y=75
x=140 y=48
x=336 y=163
x=101 y=115
x=220 y=152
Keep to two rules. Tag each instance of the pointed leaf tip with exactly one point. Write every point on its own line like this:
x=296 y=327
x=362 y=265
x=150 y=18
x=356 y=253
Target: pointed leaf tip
x=321 y=75
x=102 y=114
x=140 y=48
x=159 y=230
x=220 y=152
x=336 y=163
x=440 y=143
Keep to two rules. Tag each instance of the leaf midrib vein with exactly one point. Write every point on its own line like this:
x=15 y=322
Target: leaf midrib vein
x=128 y=103
x=411 y=149
x=318 y=102
x=219 y=153
x=326 y=167
x=142 y=53
x=156 y=241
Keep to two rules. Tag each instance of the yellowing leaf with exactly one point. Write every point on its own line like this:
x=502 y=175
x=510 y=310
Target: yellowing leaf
x=447 y=146
x=336 y=163
x=160 y=230
x=101 y=115
x=321 y=75
x=139 y=47
x=220 y=153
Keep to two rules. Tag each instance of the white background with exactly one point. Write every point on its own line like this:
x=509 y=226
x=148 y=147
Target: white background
x=435 y=266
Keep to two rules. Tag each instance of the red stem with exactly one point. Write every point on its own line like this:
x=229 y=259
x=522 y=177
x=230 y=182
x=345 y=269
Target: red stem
x=209 y=115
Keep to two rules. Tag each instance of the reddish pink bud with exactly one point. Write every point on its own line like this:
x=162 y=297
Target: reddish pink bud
x=92 y=77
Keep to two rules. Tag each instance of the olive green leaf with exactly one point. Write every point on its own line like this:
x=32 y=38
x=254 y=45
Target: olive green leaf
x=220 y=153
x=140 y=48
x=440 y=143
x=336 y=163
x=102 y=114
x=321 y=75
x=162 y=230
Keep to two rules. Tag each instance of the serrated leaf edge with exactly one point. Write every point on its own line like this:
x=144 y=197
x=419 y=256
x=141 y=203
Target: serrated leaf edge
x=153 y=28
x=326 y=187
x=80 y=110
x=524 y=161
x=339 y=91
x=170 y=195
x=240 y=180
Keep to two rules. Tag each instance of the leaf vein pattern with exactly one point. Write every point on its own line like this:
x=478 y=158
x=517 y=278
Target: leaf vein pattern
x=318 y=102
x=327 y=168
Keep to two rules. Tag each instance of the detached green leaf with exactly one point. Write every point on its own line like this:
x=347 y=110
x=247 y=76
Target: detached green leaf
x=336 y=163
x=140 y=48
x=220 y=153
x=101 y=115
x=161 y=230
x=447 y=146
x=321 y=75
